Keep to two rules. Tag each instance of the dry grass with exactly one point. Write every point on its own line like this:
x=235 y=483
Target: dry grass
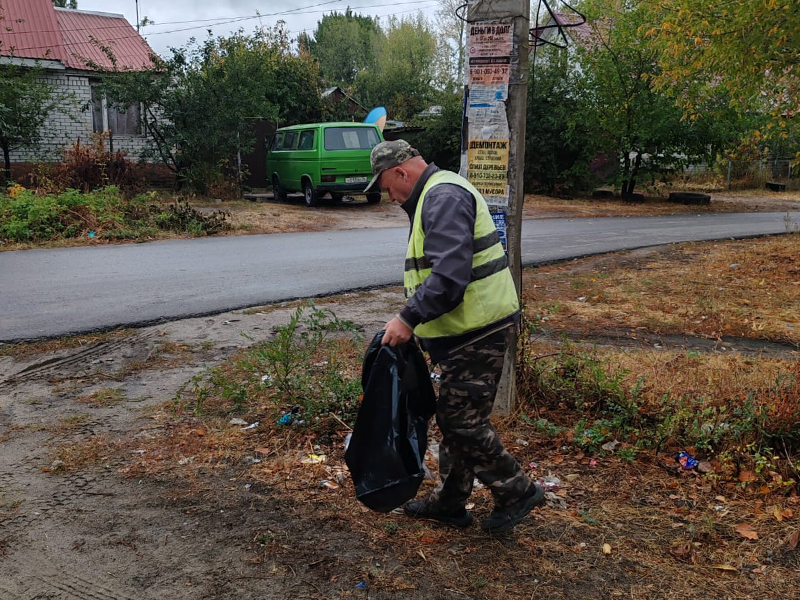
x=657 y=205
x=748 y=289
x=104 y=398
x=23 y=350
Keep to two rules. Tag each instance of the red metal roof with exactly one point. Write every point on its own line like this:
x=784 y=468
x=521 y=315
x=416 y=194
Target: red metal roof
x=35 y=29
x=112 y=31
x=29 y=29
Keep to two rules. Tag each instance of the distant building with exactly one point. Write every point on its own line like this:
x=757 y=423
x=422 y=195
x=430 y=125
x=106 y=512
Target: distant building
x=65 y=43
x=337 y=95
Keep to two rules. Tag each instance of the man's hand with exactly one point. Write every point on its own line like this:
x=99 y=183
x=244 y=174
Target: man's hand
x=396 y=333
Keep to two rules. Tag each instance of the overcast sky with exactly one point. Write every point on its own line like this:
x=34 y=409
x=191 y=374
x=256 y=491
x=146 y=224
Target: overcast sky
x=195 y=17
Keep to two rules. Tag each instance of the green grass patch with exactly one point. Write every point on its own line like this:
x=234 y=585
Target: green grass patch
x=102 y=214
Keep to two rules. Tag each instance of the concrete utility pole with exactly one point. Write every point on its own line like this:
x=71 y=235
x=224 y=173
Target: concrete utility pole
x=497 y=80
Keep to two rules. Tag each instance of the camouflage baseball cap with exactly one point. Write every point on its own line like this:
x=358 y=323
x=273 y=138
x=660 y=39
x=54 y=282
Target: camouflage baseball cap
x=388 y=155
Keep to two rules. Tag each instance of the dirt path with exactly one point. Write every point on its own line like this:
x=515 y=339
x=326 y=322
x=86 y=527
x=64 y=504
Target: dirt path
x=99 y=535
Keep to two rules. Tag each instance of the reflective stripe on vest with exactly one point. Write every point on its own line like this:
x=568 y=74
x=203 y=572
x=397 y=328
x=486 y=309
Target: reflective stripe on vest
x=490 y=295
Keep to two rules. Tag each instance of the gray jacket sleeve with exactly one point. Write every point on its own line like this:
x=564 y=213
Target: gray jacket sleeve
x=448 y=220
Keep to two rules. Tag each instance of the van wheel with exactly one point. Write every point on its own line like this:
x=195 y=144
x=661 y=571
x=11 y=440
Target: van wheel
x=310 y=194
x=277 y=190
x=374 y=198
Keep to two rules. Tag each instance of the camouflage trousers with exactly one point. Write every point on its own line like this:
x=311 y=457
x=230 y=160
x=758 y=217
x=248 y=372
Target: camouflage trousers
x=470 y=447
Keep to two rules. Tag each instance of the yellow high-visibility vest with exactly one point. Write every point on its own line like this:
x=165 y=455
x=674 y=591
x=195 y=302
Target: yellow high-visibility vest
x=490 y=296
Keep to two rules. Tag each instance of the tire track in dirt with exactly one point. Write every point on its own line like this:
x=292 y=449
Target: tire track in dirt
x=60 y=364
x=42 y=580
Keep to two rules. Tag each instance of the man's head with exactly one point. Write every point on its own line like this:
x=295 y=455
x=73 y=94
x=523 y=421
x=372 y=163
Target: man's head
x=396 y=166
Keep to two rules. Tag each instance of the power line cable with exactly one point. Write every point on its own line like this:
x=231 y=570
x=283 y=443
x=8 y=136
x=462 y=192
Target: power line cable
x=137 y=36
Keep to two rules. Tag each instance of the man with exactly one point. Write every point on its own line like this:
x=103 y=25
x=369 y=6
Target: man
x=461 y=304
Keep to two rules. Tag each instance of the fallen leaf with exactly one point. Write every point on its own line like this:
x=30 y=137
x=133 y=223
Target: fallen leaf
x=794 y=539
x=606 y=548
x=263 y=450
x=745 y=476
x=422 y=554
x=746 y=530
x=778 y=514
x=725 y=567
x=787 y=513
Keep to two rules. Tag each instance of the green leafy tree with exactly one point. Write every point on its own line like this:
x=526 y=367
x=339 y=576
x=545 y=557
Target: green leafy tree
x=557 y=140
x=405 y=77
x=452 y=33
x=199 y=102
x=617 y=97
x=747 y=48
x=73 y=4
x=440 y=141
x=344 y=44
x=26 y=103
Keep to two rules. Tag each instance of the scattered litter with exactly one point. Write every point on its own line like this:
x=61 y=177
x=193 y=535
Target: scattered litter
x=56 y=464
x=734 y=266
x=314 y=459
x=329 y=484
x=252 y=425
x=186 y=461
x=610 y=446
x=361 y=586
x=237 y=421
x=477 y=485
x=138 y=451
x=266 y=379
x=436 y=377
x=470 y=506
x=247 y=486
x=90 y=234
x=686 y=460
x=292 y=418
x=593 y=462
x=550 y=483
x=253 y=460
x=521 y=442
x=582 y=299
x=606 y=548
x=347 y=441
x=533 y=465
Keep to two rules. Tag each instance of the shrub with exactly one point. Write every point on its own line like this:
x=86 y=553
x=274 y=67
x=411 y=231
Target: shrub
x=88 y=167
x=101 y=214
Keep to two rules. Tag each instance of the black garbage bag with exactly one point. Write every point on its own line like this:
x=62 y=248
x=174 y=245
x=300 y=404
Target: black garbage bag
x=390 y=436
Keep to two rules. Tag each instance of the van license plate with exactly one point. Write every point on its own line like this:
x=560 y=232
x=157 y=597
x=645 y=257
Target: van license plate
x=355 y=180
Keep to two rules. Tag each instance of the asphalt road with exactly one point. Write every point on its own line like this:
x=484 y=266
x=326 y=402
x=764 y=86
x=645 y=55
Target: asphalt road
x=48 y=293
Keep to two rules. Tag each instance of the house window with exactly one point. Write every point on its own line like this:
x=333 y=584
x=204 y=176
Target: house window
x=106 y=116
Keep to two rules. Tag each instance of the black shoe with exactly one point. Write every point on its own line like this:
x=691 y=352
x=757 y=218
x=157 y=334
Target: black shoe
x=503 y=519
x=423 y=509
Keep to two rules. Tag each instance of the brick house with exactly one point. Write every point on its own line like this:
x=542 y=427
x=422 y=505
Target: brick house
x=64 y=42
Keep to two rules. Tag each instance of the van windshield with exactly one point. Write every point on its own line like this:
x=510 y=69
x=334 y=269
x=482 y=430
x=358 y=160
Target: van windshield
x=351 y=138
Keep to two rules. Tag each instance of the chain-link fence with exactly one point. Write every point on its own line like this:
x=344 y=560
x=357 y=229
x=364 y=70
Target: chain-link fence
x=776 y=174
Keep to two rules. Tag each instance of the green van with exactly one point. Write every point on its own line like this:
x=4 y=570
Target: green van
x=323 y=158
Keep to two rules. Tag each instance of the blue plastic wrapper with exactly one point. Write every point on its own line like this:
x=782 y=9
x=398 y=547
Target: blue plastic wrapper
x=686 y=460
x=361 y=586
